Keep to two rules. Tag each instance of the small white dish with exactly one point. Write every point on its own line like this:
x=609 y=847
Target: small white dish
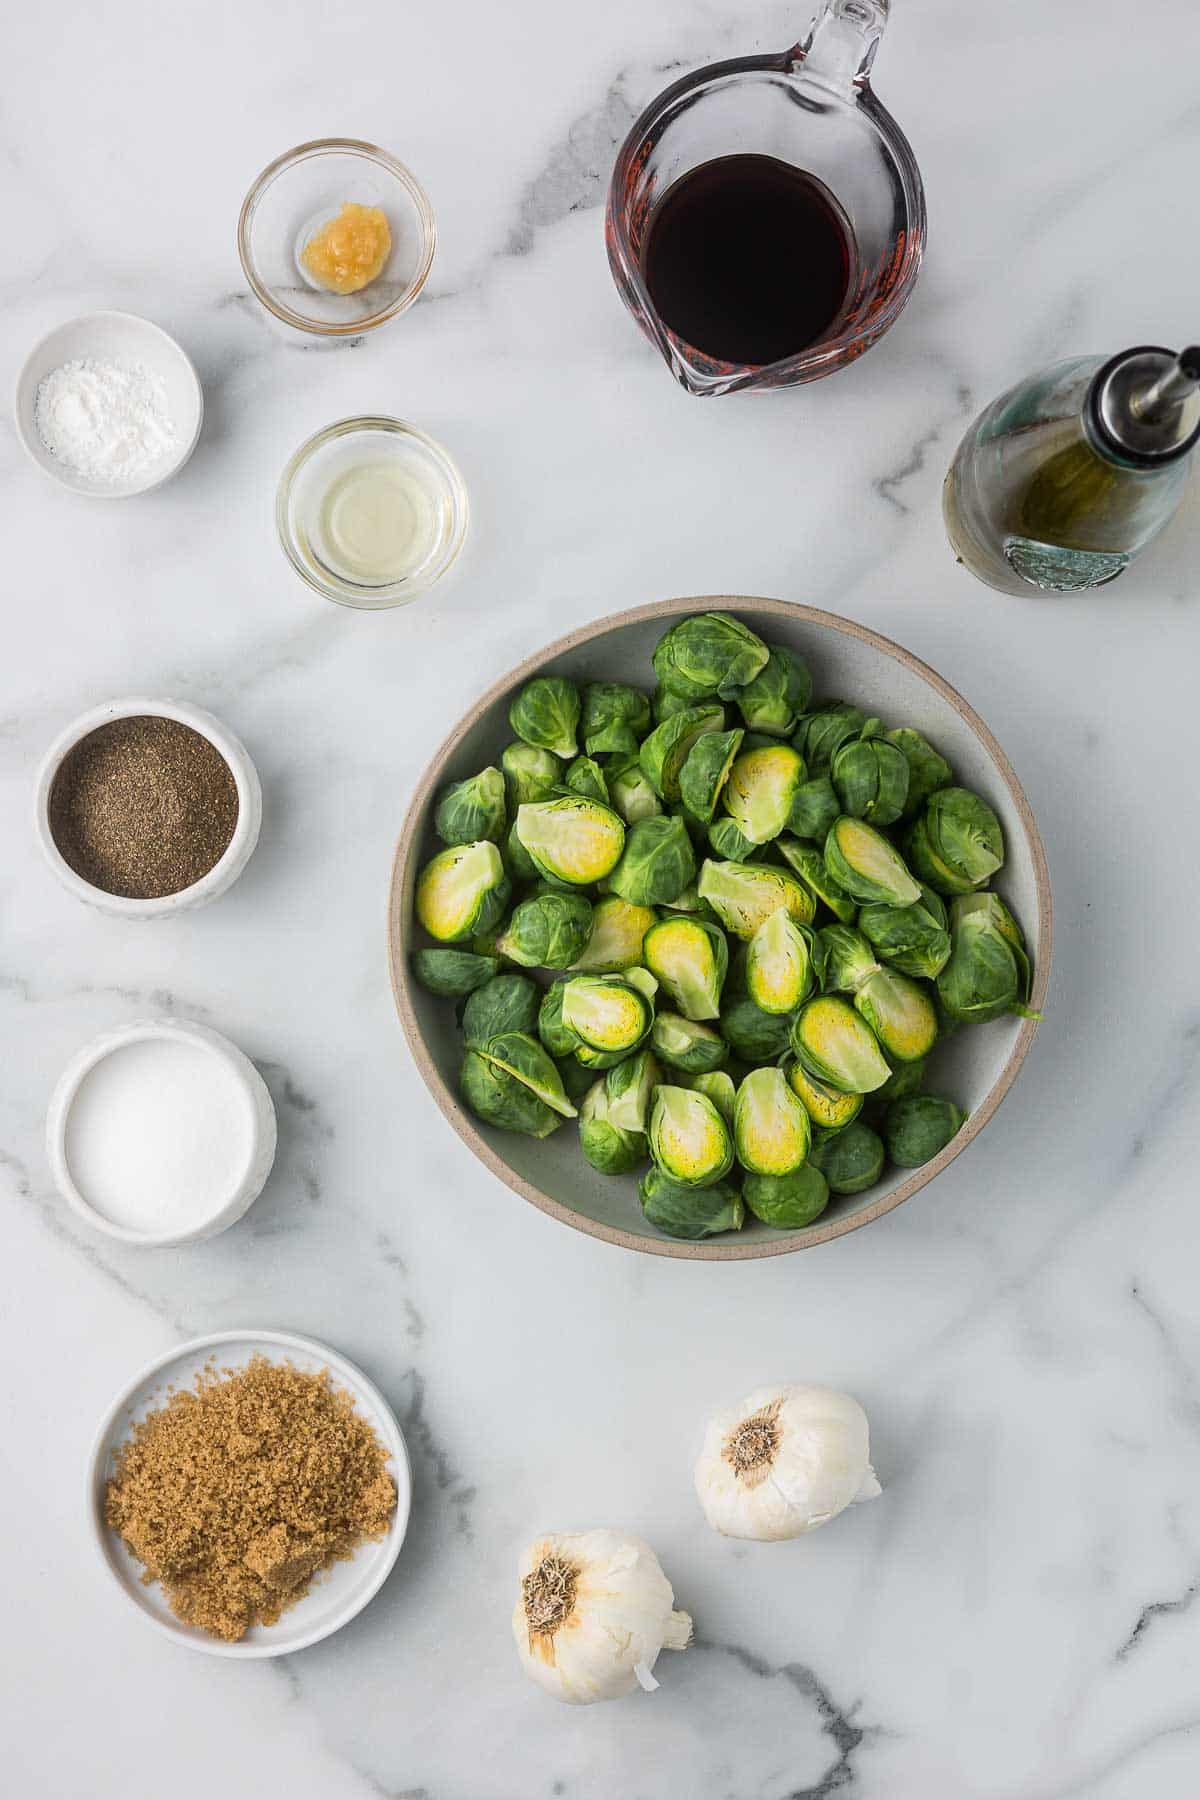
x=117 y=337
x=238 y=851
x=244 y=1154
x=338 y=1594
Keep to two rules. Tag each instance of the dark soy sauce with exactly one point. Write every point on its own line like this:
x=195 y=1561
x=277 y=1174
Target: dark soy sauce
x=747 y=259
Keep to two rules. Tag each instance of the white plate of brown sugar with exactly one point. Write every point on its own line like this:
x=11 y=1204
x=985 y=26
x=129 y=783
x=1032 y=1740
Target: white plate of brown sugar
x=249 y=1492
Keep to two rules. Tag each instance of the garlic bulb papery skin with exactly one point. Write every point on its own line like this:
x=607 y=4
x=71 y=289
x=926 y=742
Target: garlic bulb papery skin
x=785 y=1461
x=593 y=1613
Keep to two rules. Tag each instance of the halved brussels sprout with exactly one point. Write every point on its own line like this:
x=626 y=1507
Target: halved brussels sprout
x=901 y=1014
x=606 y=1013
x=586 y=777
x=779 y=964
x=815 y=806
x=987 y=974
x=629 y=791
x=771 y=1130
x=547 y=931
x=851 y=1161
x=546 y=714
x=574 y=840
x=529 y=774
x=718 y=1085
x=761 y=788
x=688 y=901
x=709 y=653
x=453 y=973
x=913 y=939
x=687 y=1044
x=558 y=1038
x=688 y=1138
x=845 y=959
x=690 y=958
x=822 y=732
x=828 y=1108
x=617 y=934
x=706 y=770
x=919 y=1128
x=779 y=693
x=808 y=863
x=754 y=1035
x=468 y=811
x=728 y=842
x=833 y=1043
x=499 y=1098
x=522 y=1057
x=689 y=1212
x=657 y=862
x=595 y=1060
x=744 y=894
x=615 y=718
x=462 y=892
x=870 y=775
x=630 y=1088
x=956 y=845
x=788 y=1202
x=905 y=1079
x=609 y=1148
x=862 y=862
x=508 y=1002
x=927 y=771
x=669 y=745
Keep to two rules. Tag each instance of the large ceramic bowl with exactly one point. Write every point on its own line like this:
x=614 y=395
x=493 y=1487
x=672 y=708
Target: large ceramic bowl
x=847 y=660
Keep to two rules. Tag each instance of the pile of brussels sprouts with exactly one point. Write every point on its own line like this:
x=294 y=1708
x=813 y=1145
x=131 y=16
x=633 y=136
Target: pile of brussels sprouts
x=747 y=921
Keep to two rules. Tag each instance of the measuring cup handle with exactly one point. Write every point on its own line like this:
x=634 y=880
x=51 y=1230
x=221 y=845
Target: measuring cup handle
x=841 y=42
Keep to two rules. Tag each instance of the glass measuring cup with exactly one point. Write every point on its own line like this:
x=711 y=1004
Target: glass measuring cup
x=813 y=107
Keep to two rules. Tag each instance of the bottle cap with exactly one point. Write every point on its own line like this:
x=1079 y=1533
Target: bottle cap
x=1143 y=406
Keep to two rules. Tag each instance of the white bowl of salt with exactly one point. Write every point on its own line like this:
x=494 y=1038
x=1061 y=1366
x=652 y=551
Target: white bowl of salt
x=160 y=1133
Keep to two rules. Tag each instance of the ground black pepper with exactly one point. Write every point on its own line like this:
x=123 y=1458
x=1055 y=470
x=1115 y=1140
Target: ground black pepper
x=143 y=807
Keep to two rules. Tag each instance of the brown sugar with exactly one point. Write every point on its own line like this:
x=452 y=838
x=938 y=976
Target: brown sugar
x=237 y=1491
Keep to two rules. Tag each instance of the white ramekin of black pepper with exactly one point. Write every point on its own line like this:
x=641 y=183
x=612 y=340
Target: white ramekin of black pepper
x=147 y=807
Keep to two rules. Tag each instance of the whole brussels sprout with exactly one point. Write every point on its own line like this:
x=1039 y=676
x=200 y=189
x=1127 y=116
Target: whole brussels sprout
x=558 y=1038
x=771 y=1130
x=630 y=1087
x=779 y=964
x=452 y=973
x=844 y=958
x=606 y=1013
x=833 y=1043
x=904 y=1080
x=987 y=974
x=870 y=776
x=779 y=693
x=705 y=771
x=708 y=653
x=728 y=842
x=992 y=907
x=718 y=1085
x=547 y=931
x=669 y=745
x=664 y=704
x=788 y=1202
x=815 y=807
x=468 y=811
x=546 y=714
x=615 y=718
x=689 y=1212
x=866 y=866
x=956 y=844
x=576 y=1079
x=609 y=1148
x=462 y=892
x=919 y=1128
x=927 y=771
x=761 y=789
x=913 y=939
x=809 y=864
x=573 y=840
x=527 y=1061
x=851 y=1161
x=688 y=1138
x=617 y=934
x=657 y=862
x=754 y=1035
x=829 y=1109
x=822 y=732
x=629 y=792
x=688 y=901
x=744 y=894
x=529 y=774
x=517 y=859
x=586 y=777
x=900 y=1013
x=687 y=1044
x=508 y=1002
x=498 y=1098
x=690 y=958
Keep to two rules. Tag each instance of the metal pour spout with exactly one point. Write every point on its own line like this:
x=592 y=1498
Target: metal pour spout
x=1144 y=406
x=1171 y=388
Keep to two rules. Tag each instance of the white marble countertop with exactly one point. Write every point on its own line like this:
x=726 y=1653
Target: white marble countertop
x=1018 y=1617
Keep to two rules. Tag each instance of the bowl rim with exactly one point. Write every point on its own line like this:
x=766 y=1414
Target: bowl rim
x=711 y=1250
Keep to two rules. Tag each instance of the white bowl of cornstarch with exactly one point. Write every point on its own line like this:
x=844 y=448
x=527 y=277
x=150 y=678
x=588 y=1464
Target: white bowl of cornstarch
x=109 y=405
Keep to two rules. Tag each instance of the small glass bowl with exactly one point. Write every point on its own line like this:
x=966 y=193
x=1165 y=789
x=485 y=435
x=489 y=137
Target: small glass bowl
x=299 y=193
x=318 y=464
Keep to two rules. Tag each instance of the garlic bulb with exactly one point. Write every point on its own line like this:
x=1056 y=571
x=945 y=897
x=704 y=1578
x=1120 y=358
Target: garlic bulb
x=593 y=1613
x=783 y=1462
